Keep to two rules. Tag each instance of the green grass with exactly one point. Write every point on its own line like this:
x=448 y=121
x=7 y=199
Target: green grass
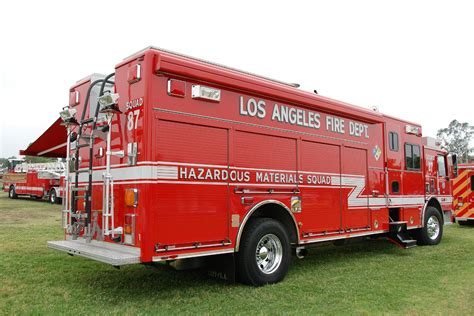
x=372 y=277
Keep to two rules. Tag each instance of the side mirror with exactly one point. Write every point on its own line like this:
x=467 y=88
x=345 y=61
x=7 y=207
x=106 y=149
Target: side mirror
x=455 y=165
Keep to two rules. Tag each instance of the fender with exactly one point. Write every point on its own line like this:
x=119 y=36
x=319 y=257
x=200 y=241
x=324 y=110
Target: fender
x=256 y=207
x=428 y=200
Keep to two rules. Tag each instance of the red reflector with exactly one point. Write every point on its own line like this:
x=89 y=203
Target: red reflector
x=73 y=98
x=176 y=88
x=134 y=73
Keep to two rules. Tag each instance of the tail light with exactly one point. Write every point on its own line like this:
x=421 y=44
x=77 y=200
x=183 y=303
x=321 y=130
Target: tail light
x=129 y=229
x=131 y=197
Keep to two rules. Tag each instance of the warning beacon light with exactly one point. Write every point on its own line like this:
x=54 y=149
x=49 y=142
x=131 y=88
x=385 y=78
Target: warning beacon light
x=207 y=93
x=67 y=115
x=108 y=102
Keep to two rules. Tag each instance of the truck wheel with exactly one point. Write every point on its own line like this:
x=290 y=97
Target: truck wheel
x=11 y=193
x=265 y=253
x=53 y=198
x=432 y=232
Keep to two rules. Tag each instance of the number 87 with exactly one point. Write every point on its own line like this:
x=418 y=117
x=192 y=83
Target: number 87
x=132 y=121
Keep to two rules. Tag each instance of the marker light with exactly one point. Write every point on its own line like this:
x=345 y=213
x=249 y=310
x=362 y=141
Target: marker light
x=131 y=197
x=202 y=92
x=134 y=73
x=73 y=98
x=176 y=88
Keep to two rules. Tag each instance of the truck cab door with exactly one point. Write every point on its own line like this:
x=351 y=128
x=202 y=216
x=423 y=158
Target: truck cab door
x=442 y=176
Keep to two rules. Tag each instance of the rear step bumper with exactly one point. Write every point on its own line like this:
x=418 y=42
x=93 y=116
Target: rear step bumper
x=106 y=252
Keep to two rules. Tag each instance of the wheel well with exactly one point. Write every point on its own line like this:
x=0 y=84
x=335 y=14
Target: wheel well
x=277 y=212
x=434 y=203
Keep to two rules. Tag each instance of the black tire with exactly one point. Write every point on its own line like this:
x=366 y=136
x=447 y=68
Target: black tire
x=259 y=233
x=12 y=193
x=432 y=231
x=53 y=198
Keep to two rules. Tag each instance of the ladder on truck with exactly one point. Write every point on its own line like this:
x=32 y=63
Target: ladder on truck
x=79 y=221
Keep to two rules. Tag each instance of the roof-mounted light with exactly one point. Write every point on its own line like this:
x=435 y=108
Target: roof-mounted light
x=67 y=115
x=108 y=102
x=415 y=130
x=206 y=93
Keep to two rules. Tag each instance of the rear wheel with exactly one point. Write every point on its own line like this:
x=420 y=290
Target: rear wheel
x=432 y=232
x=12 y=193
x=265 y=252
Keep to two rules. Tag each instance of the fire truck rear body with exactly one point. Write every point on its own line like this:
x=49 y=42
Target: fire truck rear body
x=201 y=150
x=463 y=194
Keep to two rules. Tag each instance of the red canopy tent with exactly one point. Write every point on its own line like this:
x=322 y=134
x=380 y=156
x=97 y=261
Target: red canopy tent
x=52 y=143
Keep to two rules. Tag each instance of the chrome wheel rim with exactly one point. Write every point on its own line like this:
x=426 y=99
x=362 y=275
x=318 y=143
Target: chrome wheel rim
x=269 y=253
x=11 y=192
x=433 y=227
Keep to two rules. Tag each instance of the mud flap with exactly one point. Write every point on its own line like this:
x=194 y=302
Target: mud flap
x=221 y=267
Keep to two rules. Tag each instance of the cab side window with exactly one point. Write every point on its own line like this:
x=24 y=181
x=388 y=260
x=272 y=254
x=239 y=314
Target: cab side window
x=441 y=166
x=412 y=157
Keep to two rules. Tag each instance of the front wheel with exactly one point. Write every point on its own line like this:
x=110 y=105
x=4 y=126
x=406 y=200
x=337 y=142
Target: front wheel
x=53 y=198
x=11 y=193
x=265 y=252
x=432 y=232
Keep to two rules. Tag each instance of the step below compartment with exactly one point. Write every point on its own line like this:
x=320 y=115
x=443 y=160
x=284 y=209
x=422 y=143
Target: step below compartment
x=400 y=236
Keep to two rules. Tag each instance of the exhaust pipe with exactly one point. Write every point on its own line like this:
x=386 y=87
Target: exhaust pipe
x=301 y=252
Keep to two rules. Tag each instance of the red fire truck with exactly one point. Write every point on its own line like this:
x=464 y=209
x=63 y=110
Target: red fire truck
x=463 y=192
x=179 y=158
x=36 y=180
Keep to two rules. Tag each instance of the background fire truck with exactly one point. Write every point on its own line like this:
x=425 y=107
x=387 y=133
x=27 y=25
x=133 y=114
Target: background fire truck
x=463 y=192
x=178 y=158
x=36 y=180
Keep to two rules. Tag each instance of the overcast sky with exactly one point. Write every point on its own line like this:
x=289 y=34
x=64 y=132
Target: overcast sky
x=412 y=59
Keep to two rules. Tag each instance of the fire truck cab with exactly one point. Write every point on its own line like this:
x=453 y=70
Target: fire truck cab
x=179 y=158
